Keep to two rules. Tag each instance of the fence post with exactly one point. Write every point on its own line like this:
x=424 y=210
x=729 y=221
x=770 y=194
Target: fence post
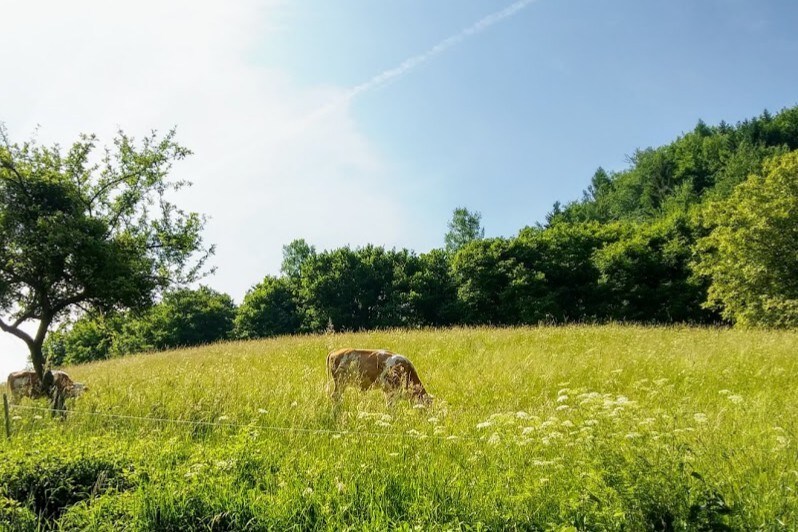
x=8 y=418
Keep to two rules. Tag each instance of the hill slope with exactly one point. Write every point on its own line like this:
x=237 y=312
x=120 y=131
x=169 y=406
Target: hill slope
x=592 y=427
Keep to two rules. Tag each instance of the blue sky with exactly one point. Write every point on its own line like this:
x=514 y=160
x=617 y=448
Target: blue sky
x=293 y=137
x=521 y=115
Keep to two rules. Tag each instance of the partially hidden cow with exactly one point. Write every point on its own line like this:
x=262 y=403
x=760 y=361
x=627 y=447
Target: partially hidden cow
x=366 y=368
x=27 y=384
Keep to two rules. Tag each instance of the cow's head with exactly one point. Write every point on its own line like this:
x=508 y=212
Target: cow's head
x=76 y=389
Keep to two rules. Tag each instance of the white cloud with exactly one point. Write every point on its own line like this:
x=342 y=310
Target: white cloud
x=95 y=66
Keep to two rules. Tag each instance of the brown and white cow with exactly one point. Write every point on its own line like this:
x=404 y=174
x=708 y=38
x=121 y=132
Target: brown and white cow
x=394 y=373
x=27 y=384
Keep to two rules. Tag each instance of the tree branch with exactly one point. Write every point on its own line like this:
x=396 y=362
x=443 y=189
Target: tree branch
x=22 y=335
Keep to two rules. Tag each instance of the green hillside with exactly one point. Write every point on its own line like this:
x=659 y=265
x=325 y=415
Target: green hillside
x=597 y=428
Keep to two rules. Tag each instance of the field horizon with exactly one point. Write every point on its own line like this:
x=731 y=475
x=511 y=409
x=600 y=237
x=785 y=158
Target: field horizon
x=600 y=427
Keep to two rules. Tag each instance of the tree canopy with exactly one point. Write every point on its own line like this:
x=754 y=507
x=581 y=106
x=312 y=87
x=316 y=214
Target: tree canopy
x=87 y=230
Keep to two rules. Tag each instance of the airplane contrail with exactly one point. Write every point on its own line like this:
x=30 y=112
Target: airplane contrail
x=404 y=68
x=411 y=63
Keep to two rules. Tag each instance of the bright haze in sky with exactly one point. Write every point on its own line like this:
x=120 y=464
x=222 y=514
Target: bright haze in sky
x=355 y=121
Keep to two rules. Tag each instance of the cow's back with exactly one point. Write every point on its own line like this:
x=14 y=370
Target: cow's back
x=365 y=365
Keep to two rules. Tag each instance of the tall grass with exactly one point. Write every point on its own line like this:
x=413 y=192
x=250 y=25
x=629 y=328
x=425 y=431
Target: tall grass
x=579 y=427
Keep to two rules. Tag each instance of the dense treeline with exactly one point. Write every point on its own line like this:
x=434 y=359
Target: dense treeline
x=702 y=230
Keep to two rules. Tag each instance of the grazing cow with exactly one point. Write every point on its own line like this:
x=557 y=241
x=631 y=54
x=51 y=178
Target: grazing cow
x=26 y=384
x=394 y=373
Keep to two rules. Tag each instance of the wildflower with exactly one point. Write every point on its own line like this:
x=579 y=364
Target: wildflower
x=562 y=398
x=494 y=439
x=308 y=492
x=414 y=432
x=522 y=415
x=37 y=416
x=222 y=418
x=432 y=420
x=736 y=399
x=16 y=418
x=621 y=400
x=419 y=406
x=261 y=410
x=632 y=435
x=393 y=455
x=724 y=391
x=381 y=423
x=591 y=422
x=567 y=423
x=700 y=417
x=527 y=430
x=294 y=404
x=563 y=407
x=660 y=382
x=439 y=430
x=563 y=391
x=452 y=438
x=484 y=424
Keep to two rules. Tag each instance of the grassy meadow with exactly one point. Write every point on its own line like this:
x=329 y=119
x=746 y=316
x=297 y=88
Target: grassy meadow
x=550 y=428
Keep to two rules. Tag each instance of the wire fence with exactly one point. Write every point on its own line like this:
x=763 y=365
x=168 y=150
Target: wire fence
x=251 y=425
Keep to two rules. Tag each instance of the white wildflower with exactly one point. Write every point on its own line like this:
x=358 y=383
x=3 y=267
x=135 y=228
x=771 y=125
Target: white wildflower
x=562 y=398
x=294 y=404
x=632 y=435
x=37 y=416
x=522 y=415
x=414 y=433
x=724 y=391
x=700 y=417
x=484 y=424
x=381 y=423
x=433 y=420
x=591 y=422
x=393 y=455
x=736 y=399
x=567 y=423
x=419 y=406
x=494 y=439
x=308 y=492
x=562 y=407
x=222 y=418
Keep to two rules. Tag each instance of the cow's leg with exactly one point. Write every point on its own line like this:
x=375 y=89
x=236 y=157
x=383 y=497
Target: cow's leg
x=338 y=386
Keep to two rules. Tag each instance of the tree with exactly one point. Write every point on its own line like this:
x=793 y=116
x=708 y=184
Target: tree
x=190 y=317
x=295 y=255
x=750 y=255
x=464 y=227
x=90 y=232
x=269 y=309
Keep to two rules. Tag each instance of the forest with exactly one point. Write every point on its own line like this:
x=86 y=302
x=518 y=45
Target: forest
x=703 y=230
